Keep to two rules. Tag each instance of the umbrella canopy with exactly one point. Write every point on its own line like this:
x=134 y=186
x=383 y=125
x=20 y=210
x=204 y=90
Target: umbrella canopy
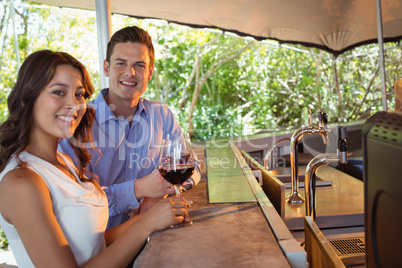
x=332 y=25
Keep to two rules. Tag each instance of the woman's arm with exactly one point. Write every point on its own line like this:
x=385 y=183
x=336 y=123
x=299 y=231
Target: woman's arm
x=167 y=211
x=129 y=238
x=26 y=203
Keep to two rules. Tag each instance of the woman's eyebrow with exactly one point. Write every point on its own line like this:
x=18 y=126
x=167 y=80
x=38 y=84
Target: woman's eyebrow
x=59 y=84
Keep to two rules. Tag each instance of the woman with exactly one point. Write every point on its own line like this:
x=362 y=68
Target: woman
x=52 y=214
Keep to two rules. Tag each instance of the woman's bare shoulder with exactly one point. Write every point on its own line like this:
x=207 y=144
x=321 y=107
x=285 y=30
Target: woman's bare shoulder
x=21 y=187
x=21 y=177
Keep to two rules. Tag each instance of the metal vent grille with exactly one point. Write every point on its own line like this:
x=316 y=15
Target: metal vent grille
x=388 y=128
x=348 y=246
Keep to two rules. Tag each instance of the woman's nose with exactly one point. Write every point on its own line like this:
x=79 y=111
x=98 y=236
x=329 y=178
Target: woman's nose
x=72 y=103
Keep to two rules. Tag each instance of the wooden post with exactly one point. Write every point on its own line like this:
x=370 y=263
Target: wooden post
x=398 y=95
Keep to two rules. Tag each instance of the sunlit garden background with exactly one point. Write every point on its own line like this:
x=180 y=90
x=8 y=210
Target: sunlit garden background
x=217 y=84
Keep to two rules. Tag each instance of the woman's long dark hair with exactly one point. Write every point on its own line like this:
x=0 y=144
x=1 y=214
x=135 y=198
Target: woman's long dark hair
x=36 y=72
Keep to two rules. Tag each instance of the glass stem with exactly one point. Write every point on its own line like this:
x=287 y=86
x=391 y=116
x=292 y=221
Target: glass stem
x=178 y=190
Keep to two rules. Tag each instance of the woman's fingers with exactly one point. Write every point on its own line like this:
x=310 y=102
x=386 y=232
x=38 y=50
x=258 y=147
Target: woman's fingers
x=178 y=202
x=181 y=199
x=174 y=209
x=179 y=212
x=178 y=219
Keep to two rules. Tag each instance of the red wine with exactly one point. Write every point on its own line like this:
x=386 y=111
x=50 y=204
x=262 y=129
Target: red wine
x=178 y=176
x=183 y=160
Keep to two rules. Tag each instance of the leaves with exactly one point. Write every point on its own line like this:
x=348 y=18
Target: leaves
x=3 y=240
x=218 y=84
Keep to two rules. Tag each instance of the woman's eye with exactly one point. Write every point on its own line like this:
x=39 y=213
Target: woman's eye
x=80 y=95
x=59 y=92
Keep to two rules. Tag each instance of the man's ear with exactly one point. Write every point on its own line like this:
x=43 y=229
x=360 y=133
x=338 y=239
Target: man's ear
x=106 y=68
x=151 y=72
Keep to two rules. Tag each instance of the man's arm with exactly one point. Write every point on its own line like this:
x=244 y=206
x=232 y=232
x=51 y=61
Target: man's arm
x=121 y=197
x=124 y=191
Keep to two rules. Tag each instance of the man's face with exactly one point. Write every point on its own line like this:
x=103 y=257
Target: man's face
x=128 y=71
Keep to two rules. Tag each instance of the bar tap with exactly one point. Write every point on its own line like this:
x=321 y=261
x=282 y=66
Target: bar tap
x=321 y=160
x=307 y=129
x=267 y=163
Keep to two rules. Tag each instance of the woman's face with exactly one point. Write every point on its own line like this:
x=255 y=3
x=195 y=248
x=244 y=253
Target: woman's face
x=60 y=105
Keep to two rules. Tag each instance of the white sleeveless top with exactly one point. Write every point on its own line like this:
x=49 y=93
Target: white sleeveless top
x=80 y=208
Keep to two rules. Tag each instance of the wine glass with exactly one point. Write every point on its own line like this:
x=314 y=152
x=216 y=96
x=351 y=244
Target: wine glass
x=176 y=163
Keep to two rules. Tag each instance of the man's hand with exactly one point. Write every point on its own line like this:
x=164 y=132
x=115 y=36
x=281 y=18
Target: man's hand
x=152 y=185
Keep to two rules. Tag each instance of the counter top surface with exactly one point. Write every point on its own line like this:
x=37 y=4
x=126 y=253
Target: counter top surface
x=223 y=235
x=339 y=205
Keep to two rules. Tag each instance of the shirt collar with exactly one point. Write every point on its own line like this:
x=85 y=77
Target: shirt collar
x=103 y=112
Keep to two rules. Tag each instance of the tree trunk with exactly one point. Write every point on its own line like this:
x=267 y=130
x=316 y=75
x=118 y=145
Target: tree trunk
x=318 y=62
x=200 y=81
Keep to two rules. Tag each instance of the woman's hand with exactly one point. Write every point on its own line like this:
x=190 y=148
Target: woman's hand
x=167 y=212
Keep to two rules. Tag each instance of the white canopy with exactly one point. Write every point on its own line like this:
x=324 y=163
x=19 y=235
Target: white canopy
x=331 y=25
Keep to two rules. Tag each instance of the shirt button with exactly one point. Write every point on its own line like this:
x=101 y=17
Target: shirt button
x=130 y=207
x=129 y=166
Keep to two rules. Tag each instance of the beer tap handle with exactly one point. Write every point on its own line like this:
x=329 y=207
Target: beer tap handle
x=342 y=145
x=320 y=119
x=323 y=120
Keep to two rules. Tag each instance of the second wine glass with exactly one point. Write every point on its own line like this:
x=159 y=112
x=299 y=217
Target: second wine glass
x=176 y=163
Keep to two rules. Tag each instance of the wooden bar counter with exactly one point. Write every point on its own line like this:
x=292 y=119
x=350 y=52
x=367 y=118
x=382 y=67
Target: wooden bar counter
x=232 y=234
x=223 y=235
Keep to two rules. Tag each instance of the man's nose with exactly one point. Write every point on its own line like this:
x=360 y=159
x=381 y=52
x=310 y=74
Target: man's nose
x=130 y=71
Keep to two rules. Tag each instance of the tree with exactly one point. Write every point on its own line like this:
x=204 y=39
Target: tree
x=222 y=84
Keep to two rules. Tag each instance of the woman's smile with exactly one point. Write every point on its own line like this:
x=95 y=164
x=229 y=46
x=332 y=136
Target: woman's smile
x=66 y=119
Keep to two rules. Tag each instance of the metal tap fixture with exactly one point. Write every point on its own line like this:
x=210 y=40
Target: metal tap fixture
x=320 y=160
x=267 y=161
x=307 y=129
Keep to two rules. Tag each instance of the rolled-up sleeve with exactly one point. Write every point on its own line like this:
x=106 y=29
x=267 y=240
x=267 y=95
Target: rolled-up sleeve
x=121 y=197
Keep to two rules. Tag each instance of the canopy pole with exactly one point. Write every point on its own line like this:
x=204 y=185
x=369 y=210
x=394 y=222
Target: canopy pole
x=16 y=45
x=341 y=117
x=382 y=63
x=104 y=26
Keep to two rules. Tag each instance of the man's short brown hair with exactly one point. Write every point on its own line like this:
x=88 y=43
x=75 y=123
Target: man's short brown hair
x=131 y=34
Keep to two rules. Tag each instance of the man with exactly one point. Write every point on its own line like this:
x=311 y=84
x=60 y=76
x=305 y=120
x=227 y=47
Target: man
x=128 y=130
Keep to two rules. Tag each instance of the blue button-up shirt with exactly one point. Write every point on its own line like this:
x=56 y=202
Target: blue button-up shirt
x=127 y=151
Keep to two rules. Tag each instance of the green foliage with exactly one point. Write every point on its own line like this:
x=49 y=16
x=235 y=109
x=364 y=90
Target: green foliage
x=263 y=88
x=3 y=240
